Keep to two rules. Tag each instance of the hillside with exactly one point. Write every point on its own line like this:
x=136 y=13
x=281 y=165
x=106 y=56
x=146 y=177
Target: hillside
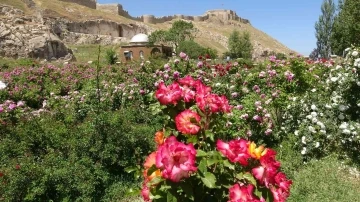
x=212 y=33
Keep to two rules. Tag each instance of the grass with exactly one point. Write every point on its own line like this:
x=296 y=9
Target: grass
x=16 y=4
x=21 y=62
x=325 y=181
x=83 y=54
x=76 y=12
x=89 y=52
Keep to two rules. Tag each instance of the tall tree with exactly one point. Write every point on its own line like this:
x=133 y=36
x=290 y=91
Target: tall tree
x=240 y=45
x=346 y=26
x=323 y=28
x=179 y=32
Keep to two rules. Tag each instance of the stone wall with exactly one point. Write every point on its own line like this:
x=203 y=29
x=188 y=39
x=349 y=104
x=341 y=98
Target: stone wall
x=222 y=14
x=104 y=27
x=98 y=27
x=87 y=3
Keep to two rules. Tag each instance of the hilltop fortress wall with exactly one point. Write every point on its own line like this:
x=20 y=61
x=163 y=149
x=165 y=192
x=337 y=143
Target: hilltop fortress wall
x=87 y=3
x=117 y=9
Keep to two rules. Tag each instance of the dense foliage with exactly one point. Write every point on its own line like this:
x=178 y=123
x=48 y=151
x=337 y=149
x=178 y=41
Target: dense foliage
x=179 y=32
x=346 y=26
x=323 y=29
x=72 y=133
x=194 y=50
x=239 y=45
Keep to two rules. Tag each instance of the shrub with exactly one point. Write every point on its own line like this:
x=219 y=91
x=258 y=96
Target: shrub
x=111 y=56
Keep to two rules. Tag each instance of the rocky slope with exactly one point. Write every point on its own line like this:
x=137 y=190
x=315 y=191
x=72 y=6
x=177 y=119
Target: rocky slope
x=26 y=36
x=75 y=24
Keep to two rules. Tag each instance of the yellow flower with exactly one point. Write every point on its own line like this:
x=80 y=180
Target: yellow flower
x=159 y=138
x=258 y=152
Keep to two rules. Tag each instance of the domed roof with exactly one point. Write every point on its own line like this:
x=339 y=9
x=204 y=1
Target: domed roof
x=140 y=38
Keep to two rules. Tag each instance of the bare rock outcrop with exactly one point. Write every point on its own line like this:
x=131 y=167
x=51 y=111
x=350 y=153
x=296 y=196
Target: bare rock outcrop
x=25 y=36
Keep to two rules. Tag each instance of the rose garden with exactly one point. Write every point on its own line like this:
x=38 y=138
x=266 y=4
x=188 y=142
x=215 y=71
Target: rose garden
x=190 y=129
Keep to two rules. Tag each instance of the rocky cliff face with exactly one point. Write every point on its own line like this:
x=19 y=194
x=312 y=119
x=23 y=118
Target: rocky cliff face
x=26 y=36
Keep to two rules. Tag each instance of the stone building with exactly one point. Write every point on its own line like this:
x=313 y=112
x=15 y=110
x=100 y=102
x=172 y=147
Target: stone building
x=138 y=49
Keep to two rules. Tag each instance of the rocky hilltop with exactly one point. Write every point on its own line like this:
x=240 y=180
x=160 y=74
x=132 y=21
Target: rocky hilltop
x=41 y=28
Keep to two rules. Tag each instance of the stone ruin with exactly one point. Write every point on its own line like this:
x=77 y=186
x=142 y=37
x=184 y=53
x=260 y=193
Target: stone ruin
x=117 y=9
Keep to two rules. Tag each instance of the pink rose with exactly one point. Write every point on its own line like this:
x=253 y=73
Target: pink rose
x=175 y=159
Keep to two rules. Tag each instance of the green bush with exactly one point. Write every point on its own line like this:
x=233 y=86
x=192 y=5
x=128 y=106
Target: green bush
x=194 y=50
x=111 y=56
x=45 y=158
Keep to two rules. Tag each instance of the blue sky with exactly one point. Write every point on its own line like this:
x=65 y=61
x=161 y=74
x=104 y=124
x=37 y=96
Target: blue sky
x=289 y=21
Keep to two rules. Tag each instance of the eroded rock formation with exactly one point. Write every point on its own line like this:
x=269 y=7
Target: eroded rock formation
x=25 y=36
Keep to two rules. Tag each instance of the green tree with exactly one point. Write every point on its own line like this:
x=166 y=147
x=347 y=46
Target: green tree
x=240 y=45
x=194 y=50
x=323 y=28
x=158 y=36
x=179 y=31
x=346 y=26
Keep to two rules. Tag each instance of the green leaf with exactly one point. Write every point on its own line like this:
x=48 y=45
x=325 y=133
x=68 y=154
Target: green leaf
x=229 y=165
x=209 y=180
x=240 y=176
x=170 y=197
x=151 y=170
x=156 y=180
x=202 y=166
x=210 y=135
x=164 y=187
x=200 y=153
x=188 y=190
x=192 y=139
x=130 y=169
x=212 y=161
x=214 y=157
x=249 y=177
x=155 y=197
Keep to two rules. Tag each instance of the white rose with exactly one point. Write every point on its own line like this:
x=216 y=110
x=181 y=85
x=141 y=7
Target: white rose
x=313 y=107
x=342 y=108
x=303 y=151
x=303 y=139
x=346 y=131
x=344 y=125
x=317 y=144
x=341 y=117
x=2 y=85
x=355 y=53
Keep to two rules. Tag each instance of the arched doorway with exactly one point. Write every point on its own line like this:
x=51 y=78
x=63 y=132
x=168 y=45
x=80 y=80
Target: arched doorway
x=120 y=31
x=128 y=55
x=155 y=51
x=141 y=54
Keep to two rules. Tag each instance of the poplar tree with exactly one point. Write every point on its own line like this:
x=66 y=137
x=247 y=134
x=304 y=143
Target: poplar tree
x=240 y=45
x=346 y=30
x=323 y=28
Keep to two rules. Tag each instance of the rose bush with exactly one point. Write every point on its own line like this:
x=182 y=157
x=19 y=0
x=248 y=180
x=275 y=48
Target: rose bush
x=194 y=163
